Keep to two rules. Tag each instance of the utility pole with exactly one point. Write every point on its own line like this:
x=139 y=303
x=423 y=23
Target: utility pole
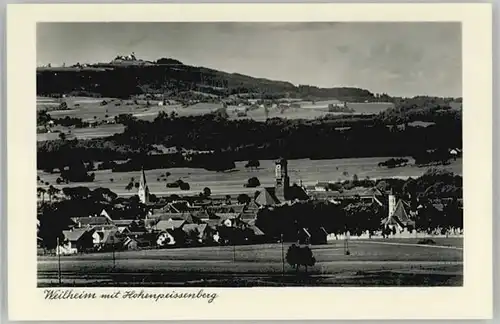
x=346 y=243
x=58 y=250
x=282 y=254
x=234 y=252
x=114 y=259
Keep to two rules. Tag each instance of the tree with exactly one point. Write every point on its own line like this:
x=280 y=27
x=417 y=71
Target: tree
x=252 y=182
x=52 y=191
x=129 y=186
x=297 y=256
x=136 y=185
x=41 y=193
x=207 y=192
x=243 y=199
x=77 y=193
x=383 y=186
x=252 y=164
x=62 y=136
x=184 y=186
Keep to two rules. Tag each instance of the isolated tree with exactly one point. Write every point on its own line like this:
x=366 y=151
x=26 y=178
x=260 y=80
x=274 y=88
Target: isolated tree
x=62 y=136
x=252 y=164
x=136 y=185
x=184 y=186
x=207 y=192
x=252 y=182
x=297 y=256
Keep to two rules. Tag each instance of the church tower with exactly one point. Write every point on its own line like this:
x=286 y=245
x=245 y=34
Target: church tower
x=143 y=189
x=282 y=184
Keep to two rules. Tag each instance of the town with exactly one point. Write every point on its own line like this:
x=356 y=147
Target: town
x=224 y=220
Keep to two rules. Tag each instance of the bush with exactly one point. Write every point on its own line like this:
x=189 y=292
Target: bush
x=243 y=199
x=184 y=186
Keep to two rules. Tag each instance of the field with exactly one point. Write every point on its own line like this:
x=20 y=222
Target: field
x=371 y=263
x=90 y=109
x=231 y=182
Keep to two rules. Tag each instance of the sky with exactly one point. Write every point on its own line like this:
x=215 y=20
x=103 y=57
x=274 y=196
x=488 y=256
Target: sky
x=400 y=58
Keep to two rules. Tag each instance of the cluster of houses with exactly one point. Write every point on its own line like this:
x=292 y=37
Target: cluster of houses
x=181 y=223
x=177 y=224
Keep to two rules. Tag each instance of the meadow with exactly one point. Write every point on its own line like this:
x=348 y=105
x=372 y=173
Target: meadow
x=231 y=182
x=370 y=263
x=90 y=109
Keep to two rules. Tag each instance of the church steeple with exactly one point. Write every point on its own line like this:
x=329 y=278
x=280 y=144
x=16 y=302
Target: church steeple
x=282 y=181
x=143 y=189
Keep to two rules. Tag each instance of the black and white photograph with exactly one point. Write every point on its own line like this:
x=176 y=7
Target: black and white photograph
x=249 y=154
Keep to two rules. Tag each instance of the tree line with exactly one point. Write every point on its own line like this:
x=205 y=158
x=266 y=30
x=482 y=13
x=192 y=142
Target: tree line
x=244 y=140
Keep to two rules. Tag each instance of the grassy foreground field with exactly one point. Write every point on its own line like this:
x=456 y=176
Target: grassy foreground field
x=371 y=263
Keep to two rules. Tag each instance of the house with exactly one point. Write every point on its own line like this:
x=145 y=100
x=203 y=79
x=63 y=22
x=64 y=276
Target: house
x=227 y=219
x=399 y=216
x=230 y=208
x=200 y=215
x=130 y=244
x=126 y=225
x=170 y=224
x=256 y=234
x=144 y=240
x=90 y=221
x=321 y=186
x=179 y=206
x=366 y=195
x=317 y=235
x=75 y=241
x=202 y=233
x=167 y=238
x=250 y=211
x=106 y=239
x=188 y=217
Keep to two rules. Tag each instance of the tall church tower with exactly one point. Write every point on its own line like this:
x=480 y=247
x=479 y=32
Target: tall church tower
x=282 y=184
x=143 y=189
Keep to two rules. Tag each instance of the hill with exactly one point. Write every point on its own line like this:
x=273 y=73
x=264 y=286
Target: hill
x=125 y=77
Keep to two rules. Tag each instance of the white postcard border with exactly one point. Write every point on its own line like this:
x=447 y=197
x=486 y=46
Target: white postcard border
x=473 y=300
